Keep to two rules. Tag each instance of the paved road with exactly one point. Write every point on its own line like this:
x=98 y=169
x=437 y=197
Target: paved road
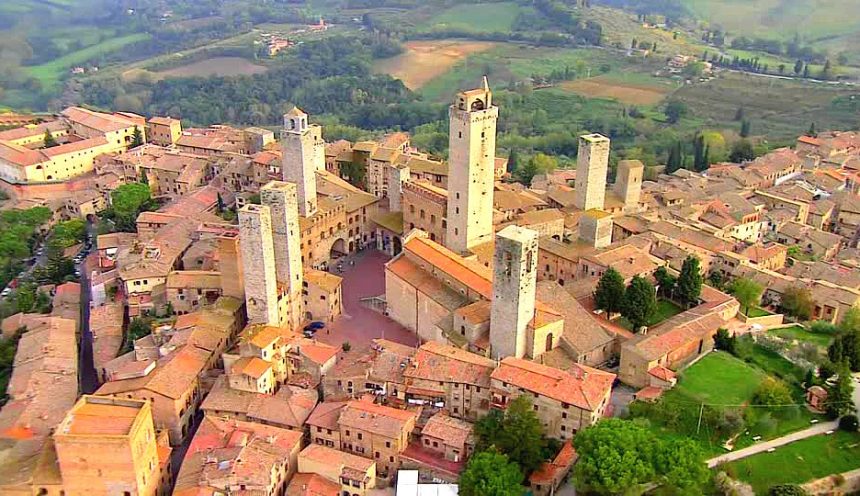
x=815 y=430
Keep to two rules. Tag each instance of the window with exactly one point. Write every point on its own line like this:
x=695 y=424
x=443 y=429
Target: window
x=387 y=444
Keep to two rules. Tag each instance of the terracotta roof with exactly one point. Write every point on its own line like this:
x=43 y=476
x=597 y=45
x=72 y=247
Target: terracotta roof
x=260 y=335
x=329 y=457
x=326 y=281
x=99 y=121
x=551 y=472
x=312 y=485
x=476 y=277
x=662 y=373
x=97 y=418
x=194 y=279
x=440 y=362
x=325 y=415
x=247 y=453
x=378 y=419
x=173 y=376
x=289 y=407
x=315 y=351
x=581 y=386
x=454 y=432
x=649 y=393
x=250 y=366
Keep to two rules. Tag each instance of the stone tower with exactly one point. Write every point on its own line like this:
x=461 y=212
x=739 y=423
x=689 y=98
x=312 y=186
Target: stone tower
x=282 y=200
x=230 y=266
x=514 y=283
x=258 y=265
x=628 y=183
x=303 y=154
x=397 y=175
x=471 y=157
x=595 y=228
x=592 y=164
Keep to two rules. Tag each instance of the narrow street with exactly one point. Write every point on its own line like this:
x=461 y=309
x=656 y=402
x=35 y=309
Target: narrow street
x=88 y=377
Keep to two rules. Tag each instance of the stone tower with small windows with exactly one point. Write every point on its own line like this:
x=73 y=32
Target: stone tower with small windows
x=282 y=200
x=592 y=164
x=258 y=265
x=303 y=154
x=514 y=286
x=628 y=183
x=471 y=157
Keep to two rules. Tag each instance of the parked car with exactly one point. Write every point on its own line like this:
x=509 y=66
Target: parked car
x=308 y=333
x=316 y=325
x=6 y=292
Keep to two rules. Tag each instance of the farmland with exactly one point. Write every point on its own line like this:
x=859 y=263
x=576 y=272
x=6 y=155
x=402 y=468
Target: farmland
x=216 y=66
x=616 y=88
x=425 y=60
x=477 y=18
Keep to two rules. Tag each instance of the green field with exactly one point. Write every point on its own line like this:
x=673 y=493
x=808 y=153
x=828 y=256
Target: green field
x=780 y=18
x=514 y=62
x=51 y=72
x=799 y=462
x=476 y=18
x=800 y=334
x=720 y=378
x=780 y=108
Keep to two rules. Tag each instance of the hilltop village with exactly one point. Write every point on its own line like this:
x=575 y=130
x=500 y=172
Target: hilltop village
x=334 y=318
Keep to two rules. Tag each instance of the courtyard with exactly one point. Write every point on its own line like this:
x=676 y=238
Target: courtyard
x=363 y=277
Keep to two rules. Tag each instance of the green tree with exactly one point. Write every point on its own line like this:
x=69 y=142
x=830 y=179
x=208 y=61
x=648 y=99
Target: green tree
x=798 y=67
x=806 y=70
x=675 y=160
x=517 y=433
x=845 y=347
x=137 y=328
x=827 y=70
x=49 y=139
x=797 y=302
x=811 y=132
x=681 y=465
x=220 y=203
x=136 y=137
x=772 y=392
x=747 y=292
x=513 y=161
x=689 y=281
x=725 y=341
x=675 y=110
x=640 y=302
x=739 y=114
x=69 y=233
x=742 y=151
x=665 y=281
x=745 y=128
x=840 y=394
x=614 y=456
x=127 y=201
x=538 y=164
x=786 y=490
x=609 y=294
x=491 y=474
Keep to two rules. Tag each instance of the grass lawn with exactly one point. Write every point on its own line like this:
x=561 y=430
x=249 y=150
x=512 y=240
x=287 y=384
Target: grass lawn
x=757 y=312
x=775 y=364
x=799 y=462
x=665 y=309
x=50 y=72
x=720 y=378
x=801 y=334
x=478 y=17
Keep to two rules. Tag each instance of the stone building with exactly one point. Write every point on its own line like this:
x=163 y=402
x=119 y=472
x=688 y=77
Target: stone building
x=377 y=432
x=514 y=281
x=355 y=475
x=282 y=200
x=262 y=294
x=592 y=165
x=471 y=158
x=303 y=154
x=565 y=401
x=108 y=446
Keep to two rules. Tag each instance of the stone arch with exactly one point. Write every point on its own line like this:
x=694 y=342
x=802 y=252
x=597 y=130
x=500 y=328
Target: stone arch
x=478 y=104
x=339 y=247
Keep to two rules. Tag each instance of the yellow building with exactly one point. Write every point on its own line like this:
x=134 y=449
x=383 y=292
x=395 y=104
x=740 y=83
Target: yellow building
x=109 y=446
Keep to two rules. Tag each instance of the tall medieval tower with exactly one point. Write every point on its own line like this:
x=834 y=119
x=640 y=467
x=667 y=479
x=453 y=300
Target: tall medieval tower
x=303 y=154
x=628 y=183
x=514 y=284
x=282 y=200
x=258 y=265
x=592 y=164
x=471 y=157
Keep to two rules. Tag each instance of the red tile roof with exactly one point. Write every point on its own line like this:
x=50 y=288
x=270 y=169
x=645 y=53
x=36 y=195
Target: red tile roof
x=581 y=386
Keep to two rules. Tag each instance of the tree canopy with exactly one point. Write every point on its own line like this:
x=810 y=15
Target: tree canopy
x=127 y=201
x=689 y=286
x=490 y=473
x=516 y=433
x=747 y=292
x=617 y=455
x=609 y=294
x=797 y=302
x=640 y=302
